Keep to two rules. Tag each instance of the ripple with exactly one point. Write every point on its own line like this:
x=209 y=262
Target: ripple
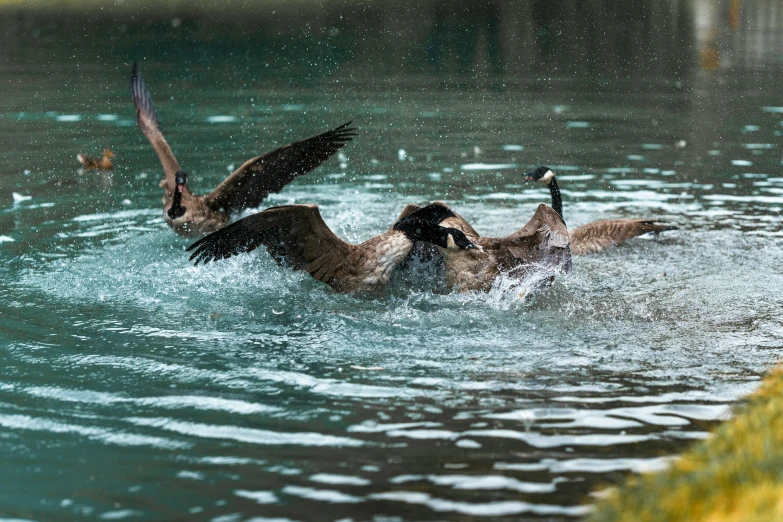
x=260 y=497
x=480 y=482
x=323 y=495
x=538 y=440
x=488 y=166
x=221 y=119
x=249 y=435
x=118 y=438
x=339 y=480
x=167 y=402
x=486 y=509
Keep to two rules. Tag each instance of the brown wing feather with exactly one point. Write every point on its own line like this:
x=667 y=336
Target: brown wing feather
x=544 y=239
x=147 y=118
x=251 y=183
x=599 y=235
x=294 y=234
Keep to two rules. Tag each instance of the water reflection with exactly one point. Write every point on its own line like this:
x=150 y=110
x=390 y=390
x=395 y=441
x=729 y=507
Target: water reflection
x=652 y=38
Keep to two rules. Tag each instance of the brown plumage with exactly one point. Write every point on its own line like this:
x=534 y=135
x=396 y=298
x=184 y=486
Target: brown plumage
x=598 y=235
x=192 y=216
x=297 y=235
x=541 y=243
x=94 y=163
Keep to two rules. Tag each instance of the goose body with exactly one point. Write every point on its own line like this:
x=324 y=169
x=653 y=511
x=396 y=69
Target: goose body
x=598 y=235
x=297 y=235
x=104 y=163
x=541 y=243
x=190 y=215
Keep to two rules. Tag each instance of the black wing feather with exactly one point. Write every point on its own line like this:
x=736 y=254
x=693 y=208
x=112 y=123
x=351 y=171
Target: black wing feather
x=251 y=183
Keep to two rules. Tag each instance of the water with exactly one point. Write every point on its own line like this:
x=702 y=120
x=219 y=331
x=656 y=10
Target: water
x=136 y=386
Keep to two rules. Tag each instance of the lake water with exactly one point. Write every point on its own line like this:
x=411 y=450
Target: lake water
x=137 y=386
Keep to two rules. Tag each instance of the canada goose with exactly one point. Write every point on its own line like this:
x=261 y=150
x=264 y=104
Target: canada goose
x=598 y=235
x=542 y=242
x=192 y=216
x=298 y=236
x=94 y=163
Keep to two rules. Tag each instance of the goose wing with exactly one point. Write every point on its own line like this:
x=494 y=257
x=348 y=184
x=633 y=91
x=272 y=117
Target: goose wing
x=251 y=183
x=147 y=118
x=293 y=234
x=599 y=235
x=544 y=239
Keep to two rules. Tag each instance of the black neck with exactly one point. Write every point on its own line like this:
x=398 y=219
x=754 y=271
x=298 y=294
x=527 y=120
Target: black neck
x=557 y=202
x=417 y=229
x=176 y=209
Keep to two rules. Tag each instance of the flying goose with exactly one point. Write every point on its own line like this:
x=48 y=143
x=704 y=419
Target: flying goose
x=193 y=216
x=297 y=235
x=94 y=163
x=598 y=235
x=542 y=242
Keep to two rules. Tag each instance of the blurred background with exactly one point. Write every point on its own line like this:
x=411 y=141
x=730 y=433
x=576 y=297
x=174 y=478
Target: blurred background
x=492 y=39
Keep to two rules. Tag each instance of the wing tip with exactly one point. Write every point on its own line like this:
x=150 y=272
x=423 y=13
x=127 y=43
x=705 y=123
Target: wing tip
x=142 y=99
x=344 y=133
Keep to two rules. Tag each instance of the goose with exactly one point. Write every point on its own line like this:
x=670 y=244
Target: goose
x=542 y=242
x=94 y=163
x=598 y=235
x=190 y=215
x=297 y=235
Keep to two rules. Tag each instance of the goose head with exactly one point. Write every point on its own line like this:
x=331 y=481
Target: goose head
x=457 y=240
x=177 y=210
x=542 y=174
x=449 y=238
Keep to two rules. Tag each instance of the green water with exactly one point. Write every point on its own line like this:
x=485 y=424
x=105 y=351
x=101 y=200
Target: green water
x=136 y=386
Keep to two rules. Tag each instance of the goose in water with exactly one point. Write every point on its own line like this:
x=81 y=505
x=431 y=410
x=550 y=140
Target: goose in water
x=598 y=235
x=104 y=163
x=296 y=235
x=541 y=243
x=190 y=215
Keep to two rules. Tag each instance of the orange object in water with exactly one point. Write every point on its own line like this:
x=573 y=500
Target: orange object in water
x=94 y=163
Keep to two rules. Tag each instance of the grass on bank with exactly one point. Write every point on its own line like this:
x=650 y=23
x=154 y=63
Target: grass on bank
x=735 y=475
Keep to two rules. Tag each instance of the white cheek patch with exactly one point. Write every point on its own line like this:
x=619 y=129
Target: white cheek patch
x=546 y=178
x=450 y=244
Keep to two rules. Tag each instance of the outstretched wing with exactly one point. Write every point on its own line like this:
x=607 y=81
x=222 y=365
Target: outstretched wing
x=147 y=118
x=599 y=235
x=251 y=183
x=292 y=234
x=543 y=240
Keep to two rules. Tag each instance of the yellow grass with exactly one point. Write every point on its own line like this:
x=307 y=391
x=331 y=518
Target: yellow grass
x=735 y=475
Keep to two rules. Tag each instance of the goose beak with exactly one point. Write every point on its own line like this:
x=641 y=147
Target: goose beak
x=474 y=246
x=528 y=177
x=180 y=186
